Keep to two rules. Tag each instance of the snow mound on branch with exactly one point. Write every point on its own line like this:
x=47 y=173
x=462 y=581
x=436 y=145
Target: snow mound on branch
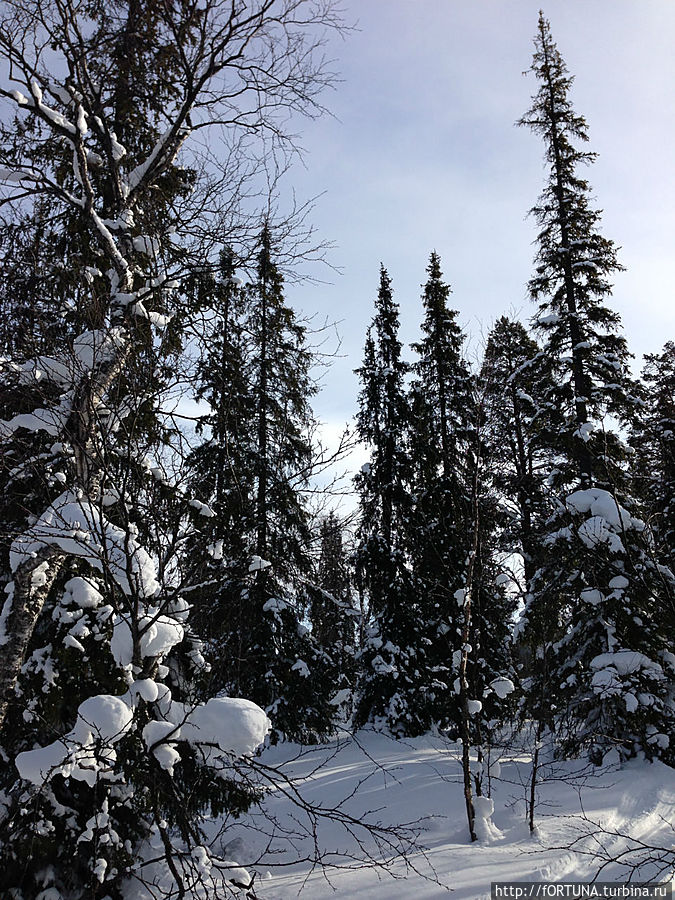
x=85 y=753
x=49 y=420
x=75 y=526
x=235 y=726
x=89 y=349
x=258 y=564
x=603 y=505
x=301 y=667
x=607 y=519
x=619 y=583
x=82 y=593
x=502 y=687
x=625 y=662
x=221 y=728
x=158 y=634
x=592 y=596
x=596 y=531
x=612 y=676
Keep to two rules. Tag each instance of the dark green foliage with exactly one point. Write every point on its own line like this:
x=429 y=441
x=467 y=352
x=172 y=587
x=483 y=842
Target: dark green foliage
x=519 y=414
x=252 y=557
x=332 y=612
x=397 y=680
x=653 y=438
x=221 y=466
x=605 y=647
x=578 y=624
x=442 y=431
x=571 y=283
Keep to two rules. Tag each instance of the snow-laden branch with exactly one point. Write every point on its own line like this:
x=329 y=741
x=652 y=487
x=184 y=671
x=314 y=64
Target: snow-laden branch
x=77 y=528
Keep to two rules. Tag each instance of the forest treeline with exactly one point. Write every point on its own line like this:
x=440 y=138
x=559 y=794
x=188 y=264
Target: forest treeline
x=174 y=595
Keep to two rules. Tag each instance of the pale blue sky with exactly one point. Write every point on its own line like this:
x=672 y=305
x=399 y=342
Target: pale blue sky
x=423 y=154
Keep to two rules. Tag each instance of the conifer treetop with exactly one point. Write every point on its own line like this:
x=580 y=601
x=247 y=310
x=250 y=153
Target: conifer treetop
x=574 y=263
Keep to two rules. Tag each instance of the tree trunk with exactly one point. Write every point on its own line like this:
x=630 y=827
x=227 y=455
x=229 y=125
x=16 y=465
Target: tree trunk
x=465 y=725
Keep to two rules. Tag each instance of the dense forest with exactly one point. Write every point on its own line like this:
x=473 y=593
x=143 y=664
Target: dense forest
x=177 y=593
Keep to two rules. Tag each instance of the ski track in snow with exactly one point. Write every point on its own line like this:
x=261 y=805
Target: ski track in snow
x=420 y=779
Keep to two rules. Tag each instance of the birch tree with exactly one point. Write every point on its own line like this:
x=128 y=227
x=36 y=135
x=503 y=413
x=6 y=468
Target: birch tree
x=102 y=103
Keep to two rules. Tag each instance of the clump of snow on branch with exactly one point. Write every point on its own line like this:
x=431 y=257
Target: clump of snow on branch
x=221 y=728
x=87 y=751
x=77 y=528
x=158 y=634
x=607 y=520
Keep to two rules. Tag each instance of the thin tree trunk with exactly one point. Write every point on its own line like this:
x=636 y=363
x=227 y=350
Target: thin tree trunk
x=533 y=779
x=262 y=430
x=465 y=725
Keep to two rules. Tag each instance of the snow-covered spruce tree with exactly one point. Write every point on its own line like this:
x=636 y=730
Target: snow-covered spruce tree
x=332 y=610
x=453 y=501
x=605 y=649
x=481 y=650
x=105 y=765
x=395 y=682
x=256 y=463
x=516 y=378
x=220 y=467
x=653 y=437
x=520 y=415
x=442 y=432
x=653 y=470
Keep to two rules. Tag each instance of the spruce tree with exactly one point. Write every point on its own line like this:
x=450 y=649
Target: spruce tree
x=218 y=555
x=573 y=265
x=597 y=588
x=254 y=465
x=395 y=679
x=653 y=470
x=654 y=440
x=518 y=409
x=442 y=433
x=332 y=611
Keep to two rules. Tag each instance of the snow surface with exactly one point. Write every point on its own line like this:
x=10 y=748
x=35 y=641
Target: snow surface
x=394 y=782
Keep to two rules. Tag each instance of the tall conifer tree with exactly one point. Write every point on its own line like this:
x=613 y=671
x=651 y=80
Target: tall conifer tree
x=442 y=433
x=221 y=467
x=255 y=464
x=518 y=409
x=395 y=677
x=598 y=586
x=654 y=439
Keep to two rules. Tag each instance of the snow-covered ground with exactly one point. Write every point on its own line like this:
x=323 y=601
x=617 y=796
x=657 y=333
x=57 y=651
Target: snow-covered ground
x=584 y=816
